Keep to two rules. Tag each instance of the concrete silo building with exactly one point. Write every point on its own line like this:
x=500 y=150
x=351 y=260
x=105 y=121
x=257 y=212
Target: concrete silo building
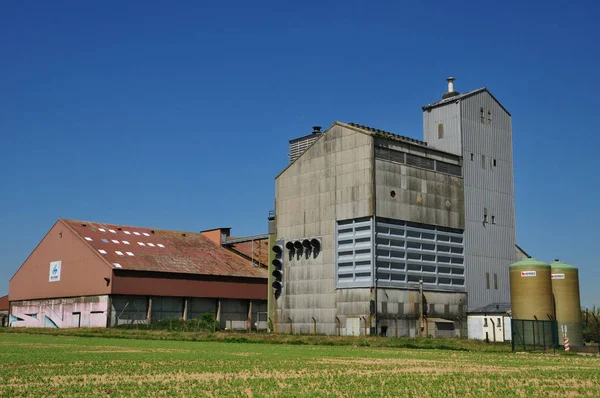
x=394 y=215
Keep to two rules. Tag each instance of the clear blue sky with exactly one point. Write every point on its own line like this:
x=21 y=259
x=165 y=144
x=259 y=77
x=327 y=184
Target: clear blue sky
x=179 y=116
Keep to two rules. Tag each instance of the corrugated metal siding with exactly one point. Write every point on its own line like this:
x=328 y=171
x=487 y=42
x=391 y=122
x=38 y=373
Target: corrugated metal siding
x=489 y=247
x=449 y=115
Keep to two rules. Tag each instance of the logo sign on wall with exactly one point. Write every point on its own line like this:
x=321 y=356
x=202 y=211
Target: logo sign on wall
x=527 y=273
x=55 y=271
x=558 y=276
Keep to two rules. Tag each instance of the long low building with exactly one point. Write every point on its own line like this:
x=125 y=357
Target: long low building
x=87 y=274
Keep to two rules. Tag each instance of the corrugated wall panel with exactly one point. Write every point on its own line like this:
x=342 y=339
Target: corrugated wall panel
x=449 y=116
x=488 y=248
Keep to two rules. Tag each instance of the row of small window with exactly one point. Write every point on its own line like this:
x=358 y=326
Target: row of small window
x=417 y=161
x=493 y=162
x=487 y=281
x=120 y=253
x=418 y=246
x=485 y=216
x=431 y=258
x=125 y=232
x=413 y=267
x=126 y=242
x=429 y=279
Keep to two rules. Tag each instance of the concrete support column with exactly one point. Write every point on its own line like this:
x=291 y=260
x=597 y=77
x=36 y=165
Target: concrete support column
x=149 y=312
x=218 y=310
x=249 y=315
x=185 y=309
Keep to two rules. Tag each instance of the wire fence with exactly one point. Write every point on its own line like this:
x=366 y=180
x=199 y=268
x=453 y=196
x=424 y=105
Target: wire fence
x=532 y=335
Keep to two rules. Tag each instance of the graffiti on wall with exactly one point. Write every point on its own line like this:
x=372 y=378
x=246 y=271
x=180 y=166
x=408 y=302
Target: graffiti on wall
x=60 y=313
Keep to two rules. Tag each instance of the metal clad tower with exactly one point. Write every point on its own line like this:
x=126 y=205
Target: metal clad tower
x=477 y=127
x=565 y=288
x=531 y=290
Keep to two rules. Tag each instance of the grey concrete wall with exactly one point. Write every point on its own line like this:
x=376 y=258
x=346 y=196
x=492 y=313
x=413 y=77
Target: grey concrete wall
x=422 y=196
x=403 y=306
x=331 y=181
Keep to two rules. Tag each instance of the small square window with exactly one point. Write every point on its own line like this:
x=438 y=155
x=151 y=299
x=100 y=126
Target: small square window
x=117 y=265
x=160 y=245
x=440 y=130
x=141 y=244
x=493 y=219
x=119 y=253
x=88 y=238
x=130 y=254
x=151 y=244
x=485 y=322
x=102 y=251
x=472 y=157
x=115 y=241
x=105 y=240
x=499 y=323
x=112 y=231
x=136 y=233
x=146 y=234
x=125 y=242
x=496 y=281
x=494 y=163
x=487 y=280
x=101 y=230
x=127 y=232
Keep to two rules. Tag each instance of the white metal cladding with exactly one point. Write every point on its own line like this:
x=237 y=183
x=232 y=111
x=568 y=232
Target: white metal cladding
x=354 y=253
x=407 y=252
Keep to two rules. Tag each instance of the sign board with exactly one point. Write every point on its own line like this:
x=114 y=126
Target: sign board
x=528 y=273
x=564 y=329
x=558 y=276
x=55 y=267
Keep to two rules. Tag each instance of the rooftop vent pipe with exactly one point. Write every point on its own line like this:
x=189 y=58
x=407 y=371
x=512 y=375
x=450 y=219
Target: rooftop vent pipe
x=316 y=130
x=451 y=92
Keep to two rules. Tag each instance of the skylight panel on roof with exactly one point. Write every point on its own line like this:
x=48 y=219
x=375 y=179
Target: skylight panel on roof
x=119 y=253
x=127 y=232
x=112 y=230
x=105 y=240
x=102 y=251
x=130 y=254
x=161 y=245
x=141 y=244
x=136 y=233
x=117 y=265
x=150 y=244
x=115 y=241
x=88 y=238
x=126 y=242
x=101 y=230
x=146 y=234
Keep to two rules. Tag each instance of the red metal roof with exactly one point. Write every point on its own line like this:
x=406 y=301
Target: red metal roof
x=146 y=249
x=259 y=250
x=4 y=303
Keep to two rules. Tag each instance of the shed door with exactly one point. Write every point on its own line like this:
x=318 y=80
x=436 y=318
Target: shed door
x=76 y=320
x=353 y=326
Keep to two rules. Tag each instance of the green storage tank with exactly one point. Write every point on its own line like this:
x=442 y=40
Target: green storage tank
x=531 y=290
x=565 y=288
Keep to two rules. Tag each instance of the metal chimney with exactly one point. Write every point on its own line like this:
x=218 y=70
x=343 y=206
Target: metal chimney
x=451 y=92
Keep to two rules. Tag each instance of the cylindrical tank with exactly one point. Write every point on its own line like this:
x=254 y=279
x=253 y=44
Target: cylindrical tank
x=531 y=290
x=565 y=287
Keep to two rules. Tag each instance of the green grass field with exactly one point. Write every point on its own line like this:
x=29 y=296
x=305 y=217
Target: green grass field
x=71 y=366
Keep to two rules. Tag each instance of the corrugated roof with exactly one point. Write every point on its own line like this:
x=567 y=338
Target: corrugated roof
x=387 y=134
x=492 y=308
x=259 y=250
x=463 y=96
x=4 y=303
x=146 y=249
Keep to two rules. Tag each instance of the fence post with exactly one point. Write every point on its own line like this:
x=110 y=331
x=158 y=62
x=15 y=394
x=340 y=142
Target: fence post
x=365 y=321
x=314 y=325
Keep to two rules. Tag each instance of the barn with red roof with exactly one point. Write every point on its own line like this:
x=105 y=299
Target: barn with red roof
x=88 y=274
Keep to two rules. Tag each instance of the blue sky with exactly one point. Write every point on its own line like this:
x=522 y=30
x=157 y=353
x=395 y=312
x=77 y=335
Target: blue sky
x=179 y=116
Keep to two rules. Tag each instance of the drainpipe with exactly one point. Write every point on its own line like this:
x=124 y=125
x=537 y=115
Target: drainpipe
x=493 y=329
